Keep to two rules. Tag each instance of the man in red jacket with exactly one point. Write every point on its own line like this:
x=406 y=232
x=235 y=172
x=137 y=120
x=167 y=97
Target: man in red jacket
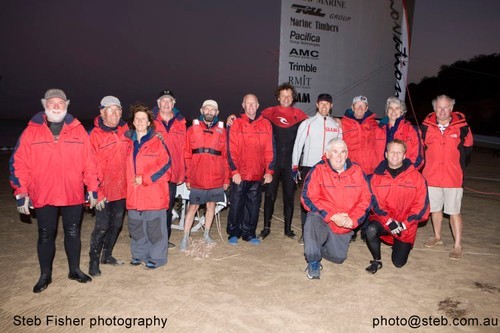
x=171 y=125
x=400 y=202
x=207 y=170
x=251 y=159
x=109 y=145
x=50 y=165
x=447 y=141
x=337 y=198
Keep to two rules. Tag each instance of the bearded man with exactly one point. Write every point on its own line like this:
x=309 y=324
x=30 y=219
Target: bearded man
x=49 y=169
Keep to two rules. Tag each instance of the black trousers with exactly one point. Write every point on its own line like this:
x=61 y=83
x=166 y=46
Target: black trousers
x=108 y=223
x=244 y=209
x=47 y=218
x=283 y=174
x=303 y=212
x=172 y=190
x=400 y=250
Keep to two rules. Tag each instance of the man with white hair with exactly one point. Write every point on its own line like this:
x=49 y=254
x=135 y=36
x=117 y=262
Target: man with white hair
x=448 y=140
x=337 y=198
x=109 y=145
x=50 y=165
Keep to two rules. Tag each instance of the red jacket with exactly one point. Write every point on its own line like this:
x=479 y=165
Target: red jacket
x=149 y=159
x=174 y=135
x=403 y=198
x=110 y=149
x=50 y=172
x=327 y=193
x=445 y=153
x=285 y=122
x=251 y=148
x=206 y=155
x=361 y=140
x=402 y=130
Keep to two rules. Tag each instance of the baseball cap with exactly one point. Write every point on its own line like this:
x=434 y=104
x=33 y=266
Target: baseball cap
x=360 y=99
x=55 y=93
x=166 y=93
x=110 y=100
x=324 y=97
x=210 y=102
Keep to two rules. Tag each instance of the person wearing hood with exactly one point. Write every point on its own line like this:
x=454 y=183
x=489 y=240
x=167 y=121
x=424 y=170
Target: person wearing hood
x=207 y=169
x=399 y=203
x=395 y=126
x=109 y=145
x=50 y=167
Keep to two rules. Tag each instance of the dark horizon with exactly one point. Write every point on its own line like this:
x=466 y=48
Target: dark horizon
x=212 y=50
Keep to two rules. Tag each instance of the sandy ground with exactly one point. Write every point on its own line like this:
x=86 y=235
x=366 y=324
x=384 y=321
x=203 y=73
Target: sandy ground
x=262 y=289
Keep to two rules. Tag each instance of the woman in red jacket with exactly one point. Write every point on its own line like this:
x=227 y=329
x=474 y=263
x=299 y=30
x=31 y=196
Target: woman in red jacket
x=148 y=174
x=395 y=126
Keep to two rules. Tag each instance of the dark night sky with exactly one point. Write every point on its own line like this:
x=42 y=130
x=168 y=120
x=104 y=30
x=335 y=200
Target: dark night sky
x=199 y=49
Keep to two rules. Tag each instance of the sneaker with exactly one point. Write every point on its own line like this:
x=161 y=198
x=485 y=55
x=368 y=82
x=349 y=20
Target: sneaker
x=433 y=241
x=171 y=245
x=456 y=254
x=254 y=241
x=301 y=240
x=375 y=265
x=264 y=233
x=184 y=244
x=208 y=240
x=291 y=234
x=233 y=240
x=313 y=270
x=151 y=265
x=135 y=262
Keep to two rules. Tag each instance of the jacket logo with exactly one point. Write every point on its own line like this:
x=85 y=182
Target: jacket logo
x=454 y=136
x=283 y=120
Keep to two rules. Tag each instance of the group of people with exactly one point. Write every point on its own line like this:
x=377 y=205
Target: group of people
x=356 y=171
x=369 y=178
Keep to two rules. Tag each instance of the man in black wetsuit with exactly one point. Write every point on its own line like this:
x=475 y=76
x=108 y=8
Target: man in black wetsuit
x=285 y=120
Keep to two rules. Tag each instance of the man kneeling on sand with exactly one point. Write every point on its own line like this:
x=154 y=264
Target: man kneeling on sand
x=337 y=198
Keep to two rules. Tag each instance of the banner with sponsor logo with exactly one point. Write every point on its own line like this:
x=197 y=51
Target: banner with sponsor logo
x=345 y=48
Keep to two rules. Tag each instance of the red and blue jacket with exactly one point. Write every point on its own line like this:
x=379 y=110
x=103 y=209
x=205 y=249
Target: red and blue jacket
x=361 y=137
x=402 y=130
x=53 y=172
x=110 y=149
x=173 y=133
x=445 y=153
x=326 y=192
x=250 y=145
x=148 y=158
x=402 y=198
